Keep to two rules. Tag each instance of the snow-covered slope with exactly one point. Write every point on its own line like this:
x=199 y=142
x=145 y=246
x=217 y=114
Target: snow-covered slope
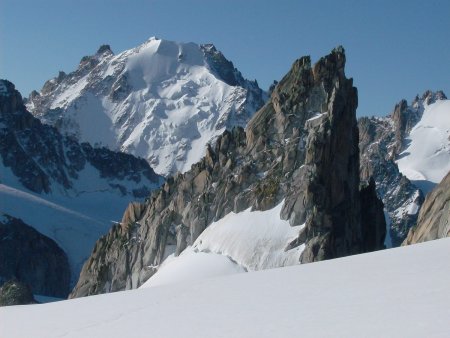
x=401 y=292
x=426 y=158
x=245 y=241
x=162 y=101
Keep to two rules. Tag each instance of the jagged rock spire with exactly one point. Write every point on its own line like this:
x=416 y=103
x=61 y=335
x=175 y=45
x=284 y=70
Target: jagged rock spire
x=301 y=147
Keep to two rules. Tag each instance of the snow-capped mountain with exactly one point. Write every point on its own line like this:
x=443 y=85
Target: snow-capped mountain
x=286 y=190
x=163 y=101
x=69 y=192
x=396 y=149
x=401 y=292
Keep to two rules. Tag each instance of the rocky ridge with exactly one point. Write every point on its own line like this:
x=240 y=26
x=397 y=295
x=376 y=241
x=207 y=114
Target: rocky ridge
x=162 y=101
x=300 y=149
x=434 y=217
x=382 y=139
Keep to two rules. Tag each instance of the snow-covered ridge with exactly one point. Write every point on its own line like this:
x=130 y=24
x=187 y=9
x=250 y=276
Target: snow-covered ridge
x=162 y=100
x=401 y=292
x=412 y=141
x=426 y=158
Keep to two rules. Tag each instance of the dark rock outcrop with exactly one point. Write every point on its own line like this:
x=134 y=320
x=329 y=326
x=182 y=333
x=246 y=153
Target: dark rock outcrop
x=14 y=292
x=301 y=147
x=32 y=258
x=372 y=216
x=434 y=216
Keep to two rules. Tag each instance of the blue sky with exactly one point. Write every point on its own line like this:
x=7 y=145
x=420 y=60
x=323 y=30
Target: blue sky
x=395 y=49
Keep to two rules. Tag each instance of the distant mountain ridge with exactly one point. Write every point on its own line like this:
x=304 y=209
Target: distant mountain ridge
x=163 y=101
x=385 y=152
x=69 y=192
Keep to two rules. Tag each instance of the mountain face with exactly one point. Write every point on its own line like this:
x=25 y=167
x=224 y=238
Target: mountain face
x=32 y=258
x=385 y=146
x=434 y=216
x=288 y=184
x=163 y=101
x=69 y=192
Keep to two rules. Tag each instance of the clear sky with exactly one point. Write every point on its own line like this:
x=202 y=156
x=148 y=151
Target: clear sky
x=395 y=49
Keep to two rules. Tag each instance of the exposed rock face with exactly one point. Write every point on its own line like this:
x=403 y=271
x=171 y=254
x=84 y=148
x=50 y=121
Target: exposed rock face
x=162 y=101
x=15 y=292
x=39 y=156
x=301 y=147
x=381 y=141
x=32 y=258
x=434 y=216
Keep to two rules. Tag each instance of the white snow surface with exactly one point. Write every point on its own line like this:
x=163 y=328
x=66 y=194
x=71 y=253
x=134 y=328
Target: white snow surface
x=192 y=265
x=246 y=241
x=400 y=292
x=255 y=240
x=427 y=157
x=160 y=101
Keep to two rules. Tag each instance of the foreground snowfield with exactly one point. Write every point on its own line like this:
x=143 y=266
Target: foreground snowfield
x=400 y=292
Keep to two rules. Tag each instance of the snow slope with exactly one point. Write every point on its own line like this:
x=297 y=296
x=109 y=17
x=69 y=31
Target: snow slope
x=163 y=101
x=246 y=241
x=192 y=265
x=426 y=159
x=401 y=292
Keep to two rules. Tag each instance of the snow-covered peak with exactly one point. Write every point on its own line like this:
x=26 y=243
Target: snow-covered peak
x=162 y=100
x=427 y=98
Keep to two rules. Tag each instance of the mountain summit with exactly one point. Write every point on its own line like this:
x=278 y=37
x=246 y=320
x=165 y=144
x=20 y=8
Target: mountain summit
x=163 y=101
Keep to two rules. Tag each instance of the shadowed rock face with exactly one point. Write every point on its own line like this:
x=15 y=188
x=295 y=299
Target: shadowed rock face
x=32 y=258
x=434 y=216
x=15 y=292
x=301 y=147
